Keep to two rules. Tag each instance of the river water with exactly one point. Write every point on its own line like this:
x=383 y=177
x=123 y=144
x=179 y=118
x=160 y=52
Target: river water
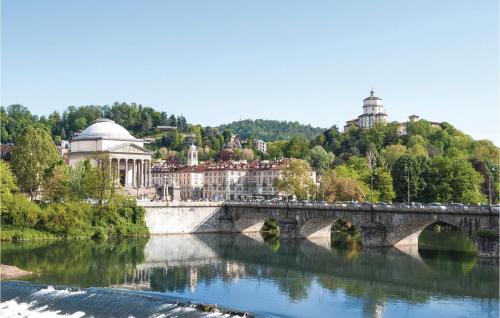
x=267 y=278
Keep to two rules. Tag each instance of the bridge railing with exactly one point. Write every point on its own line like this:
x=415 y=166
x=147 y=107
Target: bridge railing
x=367 y=206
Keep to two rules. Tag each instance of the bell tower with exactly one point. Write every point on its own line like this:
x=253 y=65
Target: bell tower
x=192 y=156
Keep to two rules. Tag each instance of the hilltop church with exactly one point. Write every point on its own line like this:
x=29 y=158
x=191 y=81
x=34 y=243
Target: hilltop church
x=373 y=113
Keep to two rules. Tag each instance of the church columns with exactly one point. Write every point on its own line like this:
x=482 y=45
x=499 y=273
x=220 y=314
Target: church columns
x=149 y=173
x=126 y=172
x=137 y=172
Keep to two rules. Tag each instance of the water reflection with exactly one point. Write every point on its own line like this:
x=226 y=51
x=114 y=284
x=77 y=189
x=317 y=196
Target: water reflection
x=229 y=269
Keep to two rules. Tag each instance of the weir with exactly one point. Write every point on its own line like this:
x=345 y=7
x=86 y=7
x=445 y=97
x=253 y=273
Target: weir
x=380 y=226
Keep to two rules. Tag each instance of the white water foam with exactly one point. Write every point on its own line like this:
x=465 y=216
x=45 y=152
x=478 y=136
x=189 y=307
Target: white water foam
x=12 y=308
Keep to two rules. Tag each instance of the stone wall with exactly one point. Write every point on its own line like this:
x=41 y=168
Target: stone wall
x=183 y=218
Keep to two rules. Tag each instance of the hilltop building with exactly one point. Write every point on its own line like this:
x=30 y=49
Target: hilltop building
x=373 y=113
x=127 y=155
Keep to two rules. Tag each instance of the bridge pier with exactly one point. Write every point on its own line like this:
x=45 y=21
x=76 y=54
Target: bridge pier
x=289 y=228
x=487 y=246
x=373 y=234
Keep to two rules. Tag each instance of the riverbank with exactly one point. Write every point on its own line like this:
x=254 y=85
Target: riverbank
x=9 y=272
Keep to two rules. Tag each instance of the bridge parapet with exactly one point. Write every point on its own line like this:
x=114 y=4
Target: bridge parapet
x=368 y=207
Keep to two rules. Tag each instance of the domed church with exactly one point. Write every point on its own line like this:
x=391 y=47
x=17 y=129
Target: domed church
x=127 y=155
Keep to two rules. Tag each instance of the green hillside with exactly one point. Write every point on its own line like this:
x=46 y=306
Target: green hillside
x=271 y=130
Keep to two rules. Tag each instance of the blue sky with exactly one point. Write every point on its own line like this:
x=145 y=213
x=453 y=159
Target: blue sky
x=219 y=61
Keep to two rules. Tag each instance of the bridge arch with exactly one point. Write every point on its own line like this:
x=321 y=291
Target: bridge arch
x=409 y=234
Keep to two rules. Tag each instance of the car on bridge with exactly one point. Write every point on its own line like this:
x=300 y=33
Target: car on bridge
x=436 y=206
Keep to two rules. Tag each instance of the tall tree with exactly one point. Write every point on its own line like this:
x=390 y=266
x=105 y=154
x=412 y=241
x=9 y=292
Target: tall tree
x=320 y=159
x=296 y=179
x=409 y=176
x=34 y=153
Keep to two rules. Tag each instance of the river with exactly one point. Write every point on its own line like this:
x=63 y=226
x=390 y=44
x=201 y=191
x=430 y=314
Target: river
x=267 y=278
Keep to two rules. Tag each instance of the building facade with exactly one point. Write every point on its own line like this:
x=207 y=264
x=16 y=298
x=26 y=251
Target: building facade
x=260 y=145
x=373 y=114
x=128 y=158
x=228 y=180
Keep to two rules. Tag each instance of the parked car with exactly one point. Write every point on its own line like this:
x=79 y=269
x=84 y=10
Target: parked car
x=436 y=206
x=456 y=206
x=495 y=208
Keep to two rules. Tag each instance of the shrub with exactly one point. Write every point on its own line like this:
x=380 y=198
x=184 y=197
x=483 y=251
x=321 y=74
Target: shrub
x=21 y=212
x=72 y=219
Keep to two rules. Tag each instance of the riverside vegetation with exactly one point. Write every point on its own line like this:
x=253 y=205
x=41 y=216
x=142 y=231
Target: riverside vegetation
x=43 y=198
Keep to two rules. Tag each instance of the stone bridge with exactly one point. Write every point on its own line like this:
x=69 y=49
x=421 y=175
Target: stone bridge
x=380 y=225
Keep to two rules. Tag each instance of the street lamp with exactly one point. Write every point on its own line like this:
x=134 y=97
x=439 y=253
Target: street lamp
x=490 y=172
x=407 y=182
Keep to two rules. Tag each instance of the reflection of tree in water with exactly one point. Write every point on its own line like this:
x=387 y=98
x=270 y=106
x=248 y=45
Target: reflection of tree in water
x=295 y=284
x=449 y=263
x=272 y=241
x=83 y=263
x=346 y=239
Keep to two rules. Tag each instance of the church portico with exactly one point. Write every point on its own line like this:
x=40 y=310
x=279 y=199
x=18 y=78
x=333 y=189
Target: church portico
x=131 y=172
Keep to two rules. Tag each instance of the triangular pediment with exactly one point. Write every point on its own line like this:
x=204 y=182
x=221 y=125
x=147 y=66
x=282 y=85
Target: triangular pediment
x=129 y=148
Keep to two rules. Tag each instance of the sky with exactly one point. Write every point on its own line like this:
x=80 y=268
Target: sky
x=220 y=61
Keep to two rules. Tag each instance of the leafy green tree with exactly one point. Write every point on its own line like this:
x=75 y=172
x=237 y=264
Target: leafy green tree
x=276 y=149
x=454 y=180
x=342 y=184
x=320 y=160
x=34 y=153
x=297 y=147
x=55 y=185
x=227 y=134
x=8 y=183
x=247 y=154
x=383 y=185
x=296 y=179
x=412 y=170
x=392 y=153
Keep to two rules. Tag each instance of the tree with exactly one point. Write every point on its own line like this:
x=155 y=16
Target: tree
x=296 y=179
x=341 y=184
x=275 y=149
x=81 y=180
x=34 y=153
x=296 y=148
x=55 y=185
x=409 y=169
x=247 y=154
x=227 y=134
x=320 y=160
x=392 y=153
x=383 y=185
x=454 y=180
x=8 y=183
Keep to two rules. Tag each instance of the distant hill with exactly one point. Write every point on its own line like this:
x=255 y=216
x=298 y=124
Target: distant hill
x=270 y=130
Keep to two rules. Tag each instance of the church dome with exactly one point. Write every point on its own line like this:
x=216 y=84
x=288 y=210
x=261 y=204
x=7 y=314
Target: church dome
x=105 y=128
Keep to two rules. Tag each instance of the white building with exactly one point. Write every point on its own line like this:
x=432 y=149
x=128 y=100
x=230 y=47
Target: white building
x=373 y=113
x=127 y=155
x=260 y=145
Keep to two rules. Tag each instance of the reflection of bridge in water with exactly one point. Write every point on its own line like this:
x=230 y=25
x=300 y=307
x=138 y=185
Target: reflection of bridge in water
x=173 y=263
